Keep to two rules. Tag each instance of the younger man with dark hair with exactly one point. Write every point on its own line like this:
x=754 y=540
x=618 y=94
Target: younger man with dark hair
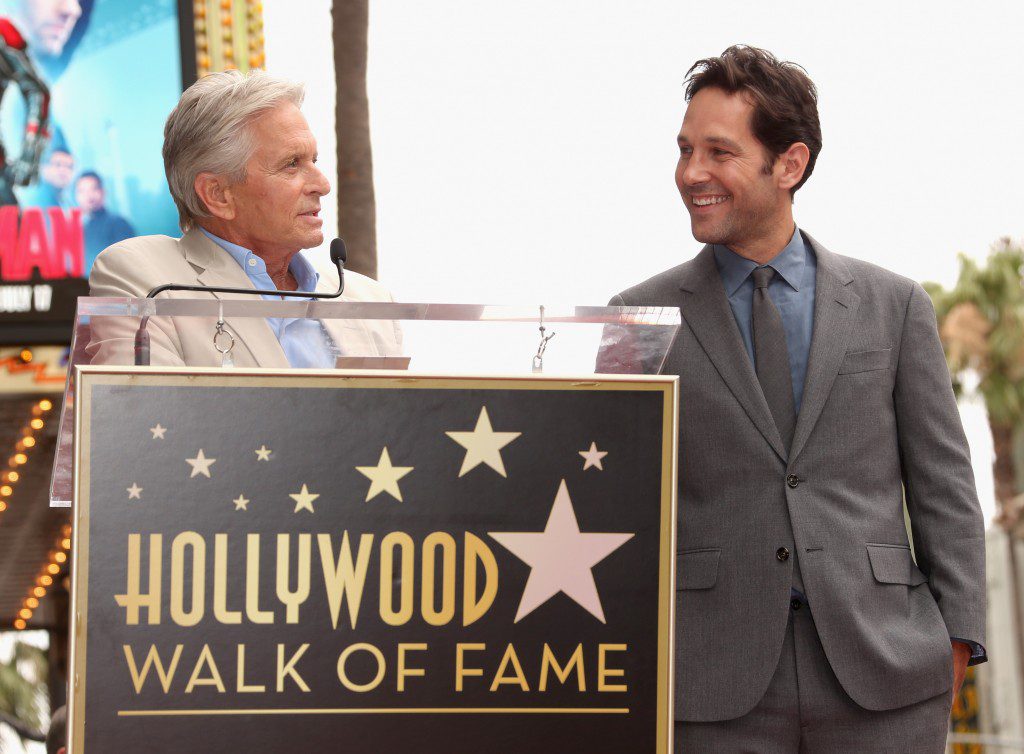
x=814 y=393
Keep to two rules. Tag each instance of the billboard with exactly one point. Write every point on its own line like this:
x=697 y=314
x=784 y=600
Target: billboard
x=87 y=85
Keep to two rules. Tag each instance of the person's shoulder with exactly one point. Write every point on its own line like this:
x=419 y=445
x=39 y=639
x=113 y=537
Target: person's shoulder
x=655 y=289
x=137 y=263
x=359 y=287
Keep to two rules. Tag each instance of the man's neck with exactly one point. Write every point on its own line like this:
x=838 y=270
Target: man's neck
x=766 y=247
x=277 y=261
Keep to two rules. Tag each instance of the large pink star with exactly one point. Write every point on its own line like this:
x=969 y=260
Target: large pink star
x=560 y=558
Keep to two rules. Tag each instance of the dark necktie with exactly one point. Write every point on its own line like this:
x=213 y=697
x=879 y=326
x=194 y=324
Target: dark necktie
x=771 y=357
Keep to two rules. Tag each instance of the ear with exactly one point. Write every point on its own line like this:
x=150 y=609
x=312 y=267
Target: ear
x=214 y=191
x=792 y=163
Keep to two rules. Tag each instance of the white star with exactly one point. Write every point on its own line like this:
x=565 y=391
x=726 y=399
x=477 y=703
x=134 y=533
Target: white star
x=158 y=431
x=134 y=492
x=200 y=464
x=384 y=477
x=483 y=445
x=560 y=558
x=593 y=457
x=303 y=500
x=262 y=453
x=240 y=503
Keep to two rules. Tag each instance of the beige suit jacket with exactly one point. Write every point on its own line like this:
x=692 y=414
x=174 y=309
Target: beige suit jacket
x=137 y=265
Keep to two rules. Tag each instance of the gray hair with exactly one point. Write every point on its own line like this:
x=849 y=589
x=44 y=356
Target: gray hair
x=209 y=131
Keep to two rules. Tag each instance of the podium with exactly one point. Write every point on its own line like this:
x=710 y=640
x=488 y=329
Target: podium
x=470 y=549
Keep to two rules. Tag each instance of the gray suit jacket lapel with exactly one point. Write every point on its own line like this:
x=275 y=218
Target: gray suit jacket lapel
x=835 y=309
x=707 y=312
x=215 y=267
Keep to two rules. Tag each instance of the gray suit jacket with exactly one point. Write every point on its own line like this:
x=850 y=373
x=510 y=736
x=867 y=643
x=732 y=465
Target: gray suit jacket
x=878 y=418
x=137 y=265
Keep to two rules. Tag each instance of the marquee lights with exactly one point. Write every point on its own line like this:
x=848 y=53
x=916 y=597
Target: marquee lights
x=226 y=38
x=23 y=446
x=56 y=558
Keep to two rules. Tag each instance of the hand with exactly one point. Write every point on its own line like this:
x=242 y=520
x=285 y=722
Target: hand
x=961 y=656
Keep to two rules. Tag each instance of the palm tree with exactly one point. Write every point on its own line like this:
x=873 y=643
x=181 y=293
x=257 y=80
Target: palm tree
x=23 y=697
x=981 y=323
x=357 y=208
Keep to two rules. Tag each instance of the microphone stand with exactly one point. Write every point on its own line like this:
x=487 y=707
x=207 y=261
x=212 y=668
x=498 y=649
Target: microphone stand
x=338 y=257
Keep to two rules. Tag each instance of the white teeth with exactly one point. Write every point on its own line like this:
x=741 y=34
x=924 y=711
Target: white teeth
x=704 y=201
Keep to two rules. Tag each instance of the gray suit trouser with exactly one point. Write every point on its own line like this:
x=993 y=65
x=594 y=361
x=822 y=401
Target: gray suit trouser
x=806 y=710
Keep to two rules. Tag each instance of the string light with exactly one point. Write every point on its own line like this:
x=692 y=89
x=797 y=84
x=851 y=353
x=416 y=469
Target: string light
x=19 y=624
x=56 y=558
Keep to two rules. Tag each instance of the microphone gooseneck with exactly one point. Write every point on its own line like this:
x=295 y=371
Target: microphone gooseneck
x=338 y=256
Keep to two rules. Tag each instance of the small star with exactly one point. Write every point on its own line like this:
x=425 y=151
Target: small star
x=262 y=453
x=200 y=464
x=483 y=445
x=303 y=500
x=384 y=477
x=240 y=503
x=158 y=432
x=134 y=492
x=593 y=457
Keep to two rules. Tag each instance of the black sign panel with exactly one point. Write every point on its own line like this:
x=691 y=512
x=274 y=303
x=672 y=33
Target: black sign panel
x=372 y=564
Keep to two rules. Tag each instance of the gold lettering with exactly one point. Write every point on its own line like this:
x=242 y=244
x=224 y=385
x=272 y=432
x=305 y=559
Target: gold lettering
x=341 y=577
x=153 y=658
x=134 y=599
x=284 y=669
x=604 y=672
x=205 y=658
x=220 y=582
x=576 y=661
x=461 y=671
x=447 y=544
x=388 y=613
x=361 y=687
x=291 y=599
x=242 y=688
x=519 y=679
x=402 y=670
x=194 y=614
x=473 y=609
x=252 y=582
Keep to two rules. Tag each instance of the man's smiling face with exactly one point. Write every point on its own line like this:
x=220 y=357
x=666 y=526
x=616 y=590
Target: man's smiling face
x=726 y=177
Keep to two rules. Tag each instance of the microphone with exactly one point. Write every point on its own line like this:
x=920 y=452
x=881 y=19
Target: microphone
x=338 y=256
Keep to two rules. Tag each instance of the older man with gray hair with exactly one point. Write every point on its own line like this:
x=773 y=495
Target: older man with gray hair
x=240 y=161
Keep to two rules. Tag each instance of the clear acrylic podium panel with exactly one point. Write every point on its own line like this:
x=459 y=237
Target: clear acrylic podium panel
x=437 y=339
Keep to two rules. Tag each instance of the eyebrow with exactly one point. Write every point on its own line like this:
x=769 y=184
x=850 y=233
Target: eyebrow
x=719 y=140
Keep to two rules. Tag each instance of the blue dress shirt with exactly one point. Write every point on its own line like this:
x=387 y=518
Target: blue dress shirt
x=305 y=342
x=792 y=292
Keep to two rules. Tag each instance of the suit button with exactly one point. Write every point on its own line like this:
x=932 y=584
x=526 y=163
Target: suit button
x=793 y=480
x=795 y=604
x=782 y=554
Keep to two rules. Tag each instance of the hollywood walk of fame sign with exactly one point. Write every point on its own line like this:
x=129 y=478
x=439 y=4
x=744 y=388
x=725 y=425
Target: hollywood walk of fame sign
x=372 y=563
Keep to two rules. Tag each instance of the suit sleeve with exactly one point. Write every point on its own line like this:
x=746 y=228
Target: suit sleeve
x=112 y=339
x=945 y=517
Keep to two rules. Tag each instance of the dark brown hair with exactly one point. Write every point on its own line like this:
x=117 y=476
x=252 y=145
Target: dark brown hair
x=785 y=99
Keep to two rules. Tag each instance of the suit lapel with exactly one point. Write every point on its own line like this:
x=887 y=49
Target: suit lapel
x=835 y=308
x=707 y=312
x=215 y=267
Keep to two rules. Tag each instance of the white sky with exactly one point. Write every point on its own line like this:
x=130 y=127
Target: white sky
x=524 y=152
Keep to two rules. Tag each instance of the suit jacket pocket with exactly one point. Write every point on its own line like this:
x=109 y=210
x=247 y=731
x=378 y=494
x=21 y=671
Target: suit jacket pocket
x=893 y=564
x=697 y=569
x=865 y=361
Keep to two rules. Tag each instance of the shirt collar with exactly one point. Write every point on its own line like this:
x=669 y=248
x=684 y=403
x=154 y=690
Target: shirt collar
x=300 y=267
x=788 y=263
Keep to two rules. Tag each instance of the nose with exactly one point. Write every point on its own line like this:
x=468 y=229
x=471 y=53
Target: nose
x=692 y=171
x=319 y=184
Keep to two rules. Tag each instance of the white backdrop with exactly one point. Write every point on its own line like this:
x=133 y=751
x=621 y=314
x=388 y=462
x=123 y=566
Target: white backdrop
x=524 y=151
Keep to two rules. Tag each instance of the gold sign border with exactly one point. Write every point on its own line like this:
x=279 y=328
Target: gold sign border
x=86 y=377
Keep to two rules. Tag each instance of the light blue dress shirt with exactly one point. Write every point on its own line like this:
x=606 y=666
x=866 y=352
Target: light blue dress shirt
x=792 y=292
x=305 y=342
